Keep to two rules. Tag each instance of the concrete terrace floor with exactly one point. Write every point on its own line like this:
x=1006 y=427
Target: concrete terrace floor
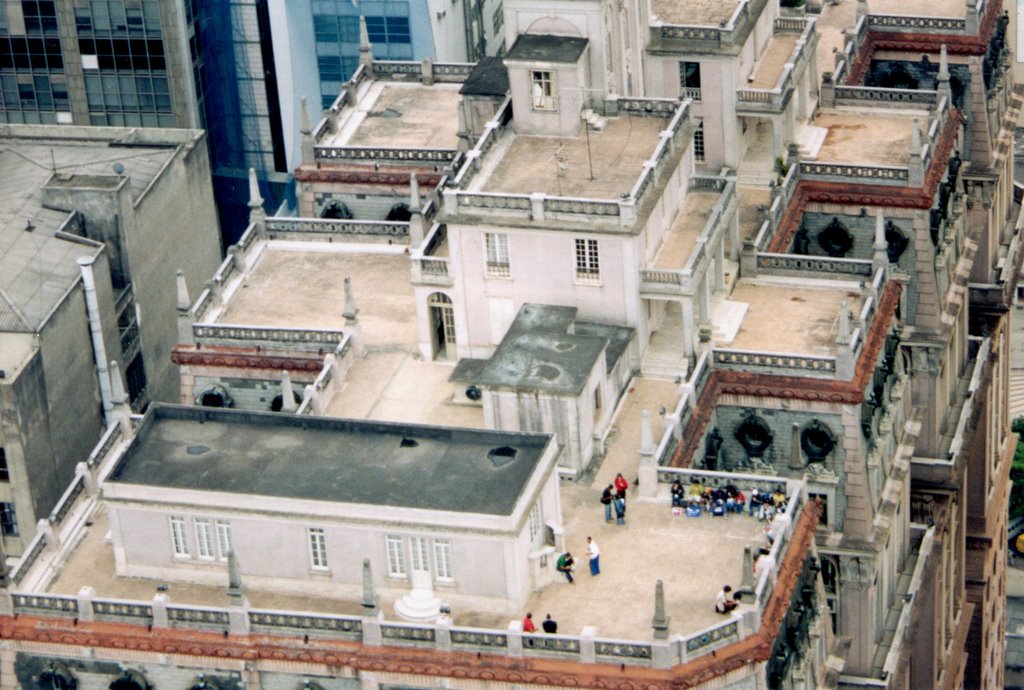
x=301 y=285
x=394 y=115
x=787 y=319
x=866 y=138
x=773 y=61
x=693 y=557
x=678 y=242
x=617 y=154
x=919 y=8
x=694 y=12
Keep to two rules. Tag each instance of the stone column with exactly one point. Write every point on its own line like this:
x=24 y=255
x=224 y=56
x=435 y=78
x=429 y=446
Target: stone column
x=184 y=310
x=648 y=470
x=689 y=328
x=720 y=266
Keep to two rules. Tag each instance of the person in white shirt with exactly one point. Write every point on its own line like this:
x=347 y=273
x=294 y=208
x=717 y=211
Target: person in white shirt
x=724 y=603
x=595 y=556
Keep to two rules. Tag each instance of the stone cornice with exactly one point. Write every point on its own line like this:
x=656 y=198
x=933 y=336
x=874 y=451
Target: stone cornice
x=244 y=358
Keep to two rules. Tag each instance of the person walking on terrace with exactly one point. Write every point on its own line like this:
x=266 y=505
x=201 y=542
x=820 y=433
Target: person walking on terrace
x=620 y=509
x=607 y=496
x=595 y=556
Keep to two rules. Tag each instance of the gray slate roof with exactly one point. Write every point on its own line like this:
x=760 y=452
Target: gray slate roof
x=328 y=459
x=547 y=48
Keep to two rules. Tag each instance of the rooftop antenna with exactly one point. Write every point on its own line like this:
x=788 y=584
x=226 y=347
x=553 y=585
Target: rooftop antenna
x=561 y=165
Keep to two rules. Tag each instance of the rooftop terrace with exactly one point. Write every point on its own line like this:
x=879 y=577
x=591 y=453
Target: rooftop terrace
x=781 y=318
x=678 y=243
x=560 y=166
x=773 y=60
x=697 y=12
x=873 y=137
x=919 y=8
x=397 y=115
x=301 y=285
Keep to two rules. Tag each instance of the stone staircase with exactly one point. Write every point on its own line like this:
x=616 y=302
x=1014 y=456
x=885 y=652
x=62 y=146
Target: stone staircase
x=664 y=356
x=810 y=138
x=750 y=176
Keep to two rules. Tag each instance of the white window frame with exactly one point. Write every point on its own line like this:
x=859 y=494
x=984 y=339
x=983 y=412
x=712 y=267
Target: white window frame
x=225 y=539
x=395 y=548
x=587 y=261
x=179 y=537
x=204 y=538
x=316 y=539
x=699 y=143
x=419 y=550
x=444 y=569
x=536 y=524
x=542 y=90
x=498 y=264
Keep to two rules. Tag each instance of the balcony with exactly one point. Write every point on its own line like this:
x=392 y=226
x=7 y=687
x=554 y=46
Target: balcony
x=431 y=266
x=780 y=68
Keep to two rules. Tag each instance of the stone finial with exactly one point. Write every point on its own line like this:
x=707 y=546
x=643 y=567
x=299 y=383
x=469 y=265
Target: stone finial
x=370 y=598
x=747 y=577
x=117 y=394
x=880 y=255
x=646 y=434
x=796 y=458
x=257 y=216
x=365 y=49
x=943 y=63
x=414 y=193
x=844 y=324
x=235 y=587
x=184 y=303
x=351 y=311
x=288 y=403
x=915 y=138
x=660 y=620
x=306 y=130
x=879 y=231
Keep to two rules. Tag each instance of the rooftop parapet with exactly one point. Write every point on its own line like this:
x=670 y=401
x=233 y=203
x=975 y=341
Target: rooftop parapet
x=465 y=196
x=702 y=26
x=774 y=97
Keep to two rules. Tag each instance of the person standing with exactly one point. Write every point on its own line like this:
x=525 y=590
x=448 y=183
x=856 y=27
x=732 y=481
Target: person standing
x=528 y=626
x=595 y=556
x=550 y=626
x=620 y=509
x=607 y=496
x=621 y=485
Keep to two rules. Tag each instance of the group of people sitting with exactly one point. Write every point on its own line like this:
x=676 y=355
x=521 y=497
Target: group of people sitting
x=721 y=500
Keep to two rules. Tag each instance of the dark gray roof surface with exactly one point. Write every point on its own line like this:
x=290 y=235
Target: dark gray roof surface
x=488 y=78
x=547 y=48
x=539 y=353
x=326 y=459
x=618 y=338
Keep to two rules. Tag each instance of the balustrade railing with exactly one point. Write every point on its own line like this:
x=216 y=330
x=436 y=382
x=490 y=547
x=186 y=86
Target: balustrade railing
x=67 y=500
x=346 y=627
x=265 y=334
x=804 y=263
x=748 y=359
x=382 y=153
x=28 y=558
x=120 y=610
x=888 y=22
x=319 y=226
x=45 y=604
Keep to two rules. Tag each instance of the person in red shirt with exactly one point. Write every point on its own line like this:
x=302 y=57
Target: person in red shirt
x=528 y=626
x=621 y=485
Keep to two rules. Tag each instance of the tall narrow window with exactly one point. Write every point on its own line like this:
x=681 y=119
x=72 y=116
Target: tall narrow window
x=698 y=142
x=689 y=80
x=542 y=90
x=443 y=560
x=588 y=266
x=317 y=548
x=396 y=556
x=225 y=539
x=5 y=474
x=179 y=536
x=420 y=554
x=204 y=538
x=498 y=265
x=536 y=523
x=8 y=520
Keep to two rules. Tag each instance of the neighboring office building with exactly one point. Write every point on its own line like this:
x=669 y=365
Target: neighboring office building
x=103 y=195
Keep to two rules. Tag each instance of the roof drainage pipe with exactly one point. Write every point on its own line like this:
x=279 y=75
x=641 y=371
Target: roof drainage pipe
x=99 y=352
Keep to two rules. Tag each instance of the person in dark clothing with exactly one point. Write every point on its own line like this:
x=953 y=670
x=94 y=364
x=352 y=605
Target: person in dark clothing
x=607 y=496
x=550 y=626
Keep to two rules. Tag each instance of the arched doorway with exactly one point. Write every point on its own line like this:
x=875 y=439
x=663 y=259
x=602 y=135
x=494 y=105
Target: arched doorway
x=442 y=325
x=399 y=213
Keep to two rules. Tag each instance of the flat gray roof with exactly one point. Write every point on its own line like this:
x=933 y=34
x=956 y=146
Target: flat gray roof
x=547 y=48
x=328 y=459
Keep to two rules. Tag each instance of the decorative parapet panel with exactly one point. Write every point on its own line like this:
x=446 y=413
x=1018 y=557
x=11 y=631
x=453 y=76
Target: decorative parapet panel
x=794 y=264
x=857 y=95
x=295 y=228
x=45 y=604
x=859 y=174
x=218 y=334
x=278 y=621
x=912 y=24
x=729 y=33
x=377 y=154
x=67 y=500
x=749 y=360
x=28 y=558
x=122 y=611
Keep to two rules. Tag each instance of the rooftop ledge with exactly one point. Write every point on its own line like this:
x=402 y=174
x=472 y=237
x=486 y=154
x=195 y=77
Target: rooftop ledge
x=462 y=195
